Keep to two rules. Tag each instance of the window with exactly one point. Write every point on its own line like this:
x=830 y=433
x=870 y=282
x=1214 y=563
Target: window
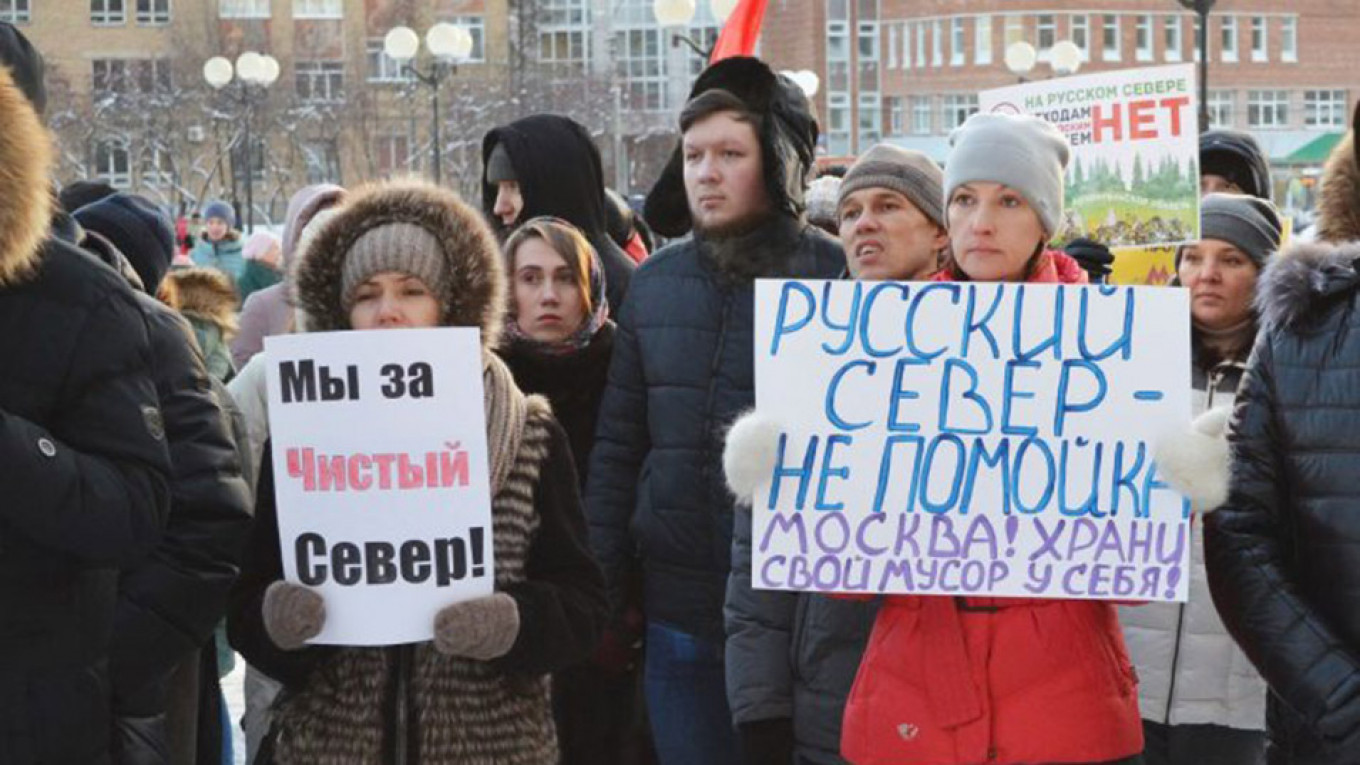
x=956 y=51
x=1081 y=35
x=958 y=107
x=1174 y=38
x=112 y=161
x=1267 y=108
x=391 y=154
x=243 y=9
x=563 y=33
x=1047 y=29
x=1289 y=39
x=920 y=43
x=892 y=46
x=15 y=11
x=109 y=75
x=937 y=42
x=322 y=159
x=1014 y=31
x=153 y=12
x=870 y=120
x=982 y=40
x=921 y=114
x=1221 y=108
x=1228 y=49
x=1324 y=108
x=1259 y=49
x=908 y=29
x=152 y=76
x=158 y=167
x=318 y=9
x=868 y=40
x=838 y=41
x=107 y=12
x=838 y=9
x=476 y=27
x=837 y=75
x=1109 y=38
x=707 y=37
x=319 y=81
x=1142 y=42
x=639 y=61
x=897 y=115
x=380 y=67
x=838 y=123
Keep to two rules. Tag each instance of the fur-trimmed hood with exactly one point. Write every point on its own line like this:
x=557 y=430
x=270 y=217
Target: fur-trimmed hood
x=476 y=296
x=1305 y=279
x=206 y=293
x=1339 y=192
x=25 y=185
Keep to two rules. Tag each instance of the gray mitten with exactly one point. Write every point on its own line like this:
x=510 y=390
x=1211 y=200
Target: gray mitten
x=482 y=629
x=292 y=614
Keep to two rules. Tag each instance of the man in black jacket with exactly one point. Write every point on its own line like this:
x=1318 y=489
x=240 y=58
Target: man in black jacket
x=683 y=369
x=1283 y=553
x=169 y=603
x=82 y=445
x=546 y=164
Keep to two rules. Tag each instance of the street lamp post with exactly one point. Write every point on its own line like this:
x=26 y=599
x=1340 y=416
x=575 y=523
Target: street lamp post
x=1064 y=57
x=679 y=13
x=449 y=44
x=252 y=70
x=1202 y=8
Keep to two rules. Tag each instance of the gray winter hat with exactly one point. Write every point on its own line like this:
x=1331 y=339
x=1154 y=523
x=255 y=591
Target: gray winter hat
x=498 y=167
x=910 y=173
x=1020 y=151
x=1249 y=223
x=397 y=246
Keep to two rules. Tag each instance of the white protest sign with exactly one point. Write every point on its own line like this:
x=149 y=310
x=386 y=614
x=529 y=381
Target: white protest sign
x=1133 y=177
x=381 y=476
x=971 y=439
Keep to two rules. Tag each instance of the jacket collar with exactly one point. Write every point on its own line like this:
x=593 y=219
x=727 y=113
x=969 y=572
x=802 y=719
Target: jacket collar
x=1303 y=278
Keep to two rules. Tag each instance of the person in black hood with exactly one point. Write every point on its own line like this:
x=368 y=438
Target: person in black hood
x=683 y=370
x=546 y=164
x=1232 y=161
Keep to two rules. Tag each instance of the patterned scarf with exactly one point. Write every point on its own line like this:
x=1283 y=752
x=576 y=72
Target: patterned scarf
x=583 y=335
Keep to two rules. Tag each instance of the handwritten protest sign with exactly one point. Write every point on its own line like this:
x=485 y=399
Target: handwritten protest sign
x=381 y=477
x=965 y=438
x=1133 y=178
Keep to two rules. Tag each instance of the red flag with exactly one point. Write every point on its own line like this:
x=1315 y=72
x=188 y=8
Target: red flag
x=739 y=34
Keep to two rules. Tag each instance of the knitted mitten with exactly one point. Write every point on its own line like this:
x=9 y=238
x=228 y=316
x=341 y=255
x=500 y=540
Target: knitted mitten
x=293 y=614
x=482 y=629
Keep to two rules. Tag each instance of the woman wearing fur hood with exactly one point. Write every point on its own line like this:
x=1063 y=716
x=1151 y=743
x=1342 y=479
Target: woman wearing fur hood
x=1283 y=552
x=407 y=254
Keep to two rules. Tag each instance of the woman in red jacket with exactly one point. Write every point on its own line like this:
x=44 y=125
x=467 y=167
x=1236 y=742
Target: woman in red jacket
x=948 y=681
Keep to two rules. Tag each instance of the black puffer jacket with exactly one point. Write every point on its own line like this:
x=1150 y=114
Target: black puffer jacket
x=559 y=174
x=169 y=603
x=1283 y=553
x=85 y=466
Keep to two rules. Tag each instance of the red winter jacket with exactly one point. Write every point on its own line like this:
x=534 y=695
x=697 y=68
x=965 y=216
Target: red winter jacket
x=954 y=681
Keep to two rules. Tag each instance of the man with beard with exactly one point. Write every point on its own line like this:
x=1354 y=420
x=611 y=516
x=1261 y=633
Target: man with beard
x=683 y=369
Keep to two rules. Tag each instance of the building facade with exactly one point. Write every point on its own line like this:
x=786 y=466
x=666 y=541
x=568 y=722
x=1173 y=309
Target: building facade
x=908 y=71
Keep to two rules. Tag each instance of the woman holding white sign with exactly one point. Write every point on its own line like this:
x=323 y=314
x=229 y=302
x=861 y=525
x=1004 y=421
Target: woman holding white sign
x=997 y=680
x=408 y=255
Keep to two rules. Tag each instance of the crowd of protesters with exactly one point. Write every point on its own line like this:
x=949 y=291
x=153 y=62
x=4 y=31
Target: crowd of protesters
x=139 y=537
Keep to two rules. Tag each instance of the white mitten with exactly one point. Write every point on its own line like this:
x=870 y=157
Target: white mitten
x=1194 y=460
x=749 y=456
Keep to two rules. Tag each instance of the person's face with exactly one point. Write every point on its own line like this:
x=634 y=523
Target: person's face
x=216 y=228
x=549 y=306
x=724 y=180
x=993 y=231
x=509 y=202
x=272 y=256
x=393 y=300
x=886 y=237
x=1221 y=280
x=1210 y=184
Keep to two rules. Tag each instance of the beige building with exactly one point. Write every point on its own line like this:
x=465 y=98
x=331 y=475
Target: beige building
x=908 y=71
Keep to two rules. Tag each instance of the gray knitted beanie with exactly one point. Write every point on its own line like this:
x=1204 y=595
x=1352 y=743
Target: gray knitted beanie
x=1020 y=151
x=398 y=246
x=910 y=173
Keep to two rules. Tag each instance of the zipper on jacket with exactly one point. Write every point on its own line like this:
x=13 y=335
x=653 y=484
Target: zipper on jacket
x=1175 y=662
x=402 y=750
